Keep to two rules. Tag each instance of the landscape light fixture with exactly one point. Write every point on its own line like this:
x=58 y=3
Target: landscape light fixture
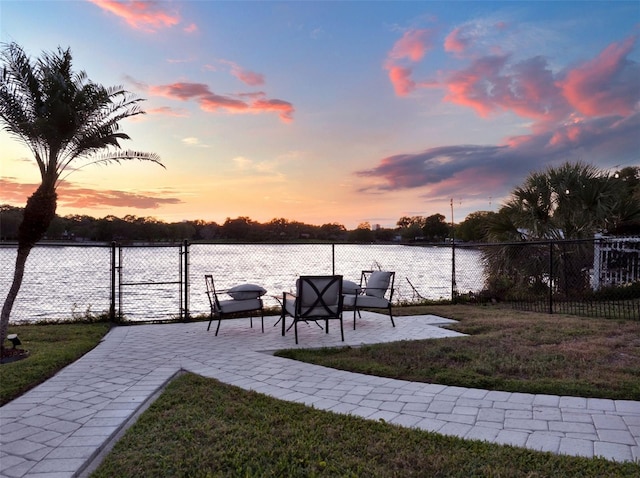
x=13 y=338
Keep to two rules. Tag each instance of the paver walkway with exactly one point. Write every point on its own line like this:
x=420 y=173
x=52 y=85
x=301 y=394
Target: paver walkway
x=61 y=426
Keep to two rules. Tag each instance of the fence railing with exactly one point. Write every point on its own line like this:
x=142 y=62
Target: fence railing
x=160 y=282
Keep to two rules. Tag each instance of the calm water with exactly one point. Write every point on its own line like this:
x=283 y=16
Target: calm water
x=62 y=281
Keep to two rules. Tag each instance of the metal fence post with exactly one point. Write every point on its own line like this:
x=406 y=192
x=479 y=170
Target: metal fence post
x=112 y=302
x=186 y=280
x=333 y=259
x=551 y=277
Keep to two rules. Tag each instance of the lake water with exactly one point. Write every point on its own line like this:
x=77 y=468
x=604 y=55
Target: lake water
x=62 y=281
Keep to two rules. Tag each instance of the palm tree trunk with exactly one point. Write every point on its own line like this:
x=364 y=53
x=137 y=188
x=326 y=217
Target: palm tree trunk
x=21 y=260
x=38 y=214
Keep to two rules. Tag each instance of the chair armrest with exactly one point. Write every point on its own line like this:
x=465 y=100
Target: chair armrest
x=289 y=295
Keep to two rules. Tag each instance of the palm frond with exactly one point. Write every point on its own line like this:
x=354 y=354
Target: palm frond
x=60 y=114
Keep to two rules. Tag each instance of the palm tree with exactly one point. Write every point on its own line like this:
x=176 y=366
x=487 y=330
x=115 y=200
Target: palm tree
x=64 y=119
x=571 y=201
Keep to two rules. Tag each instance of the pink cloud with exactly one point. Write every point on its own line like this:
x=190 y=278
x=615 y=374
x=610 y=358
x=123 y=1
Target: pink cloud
x=608 y=84
x=147 y=16
x=472 y=87
x=13 y=192
x=413 y=45
x=490 y=84
x=401 y=80
x=250 y=78
x=211 y=102
x=180 y=90
x=456 y=42
x=70 y=195
x=590 y=112
x=191 y=28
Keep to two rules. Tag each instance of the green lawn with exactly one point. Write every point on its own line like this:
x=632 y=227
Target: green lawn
x=201 y=427
x=506 y=350
x=51 y=347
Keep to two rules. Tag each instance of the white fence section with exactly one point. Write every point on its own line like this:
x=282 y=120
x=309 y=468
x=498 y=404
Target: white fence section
x=616 y=261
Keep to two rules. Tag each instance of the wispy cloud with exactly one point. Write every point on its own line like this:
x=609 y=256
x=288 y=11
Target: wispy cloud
x=193 y=141
x=145 y=16
x=212 y=102
x=191 y=28
x=14 y=192
x=168 y=111
x=248 y=77
x=72 y=195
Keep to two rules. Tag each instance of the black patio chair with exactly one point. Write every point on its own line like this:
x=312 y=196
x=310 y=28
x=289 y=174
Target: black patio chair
x=317 y=298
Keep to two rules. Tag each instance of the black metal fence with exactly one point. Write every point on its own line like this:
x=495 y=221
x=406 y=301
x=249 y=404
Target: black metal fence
x=141 y=283
x=599 y=277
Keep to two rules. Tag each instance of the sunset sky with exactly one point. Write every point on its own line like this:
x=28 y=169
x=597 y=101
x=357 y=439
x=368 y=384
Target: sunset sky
x=335 y=111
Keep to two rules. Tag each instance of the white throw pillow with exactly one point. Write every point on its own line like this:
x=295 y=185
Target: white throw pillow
x=378 y=283
x=246 y=291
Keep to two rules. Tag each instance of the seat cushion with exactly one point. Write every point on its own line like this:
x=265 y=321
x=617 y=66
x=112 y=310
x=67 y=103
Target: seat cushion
x=378 y=283
x=349 y=300
x=319 y=312
x=246 y=291
x=289 y=306
x=233 y=305
x=365 y=301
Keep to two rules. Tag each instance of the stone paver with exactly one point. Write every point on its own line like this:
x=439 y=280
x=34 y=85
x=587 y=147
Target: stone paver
x=60 y=427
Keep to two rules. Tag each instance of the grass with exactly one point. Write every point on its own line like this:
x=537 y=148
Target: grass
x=506 y=350
x=202 y=428
x=51 y=347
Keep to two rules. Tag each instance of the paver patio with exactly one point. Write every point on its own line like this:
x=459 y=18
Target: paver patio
x=59 y=428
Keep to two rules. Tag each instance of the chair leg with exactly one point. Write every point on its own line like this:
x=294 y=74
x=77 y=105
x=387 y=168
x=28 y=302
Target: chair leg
x=262 y=319
x=295 y=328
x=210 y=320
x=341 y=329
x=219 y=322
x=354 y=318
x=391 y=316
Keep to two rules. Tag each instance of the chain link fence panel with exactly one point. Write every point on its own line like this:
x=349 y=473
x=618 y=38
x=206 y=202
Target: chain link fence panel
x=60 y=282
x=166 y=282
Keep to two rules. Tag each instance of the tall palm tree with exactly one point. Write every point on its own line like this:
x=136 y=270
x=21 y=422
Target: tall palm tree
x=67 y=122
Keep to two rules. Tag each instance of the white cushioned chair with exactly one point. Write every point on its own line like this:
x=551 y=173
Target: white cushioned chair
x=375 y=292
x=245 y=298
x=317 y=298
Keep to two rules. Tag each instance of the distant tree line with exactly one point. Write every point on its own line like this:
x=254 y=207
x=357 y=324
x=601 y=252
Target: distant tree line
x=570 y=202
x=149 y=229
